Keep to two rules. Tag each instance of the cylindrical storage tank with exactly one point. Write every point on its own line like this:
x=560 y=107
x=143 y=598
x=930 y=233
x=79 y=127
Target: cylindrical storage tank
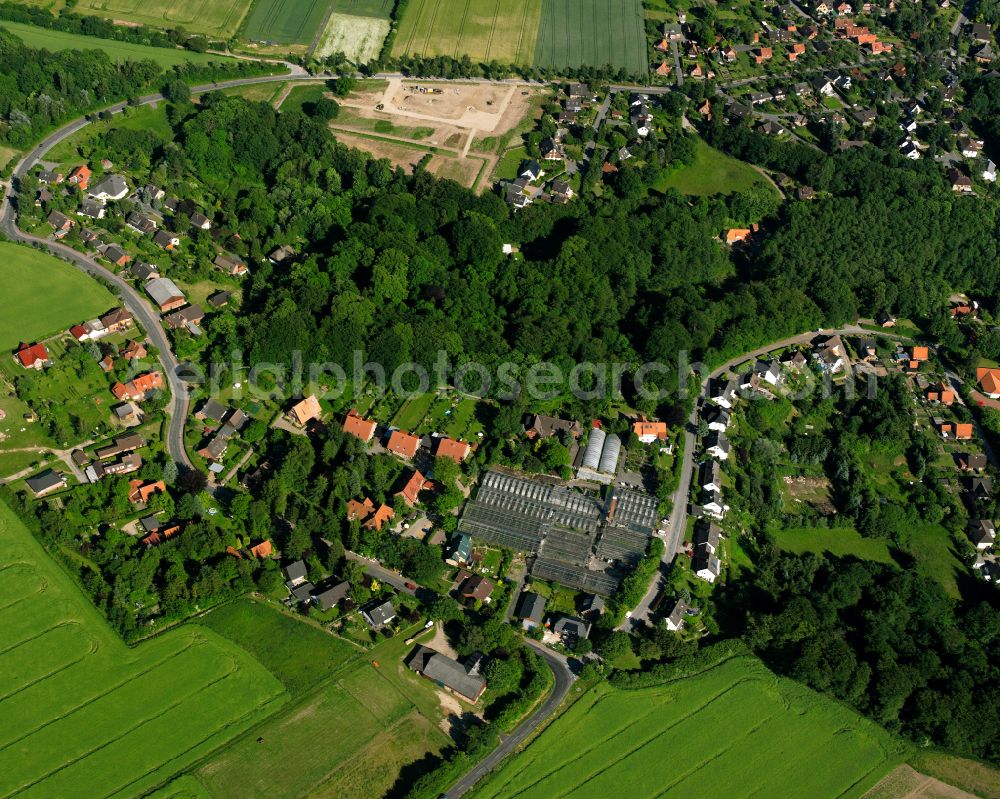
x=592 y=455
x=609 y=455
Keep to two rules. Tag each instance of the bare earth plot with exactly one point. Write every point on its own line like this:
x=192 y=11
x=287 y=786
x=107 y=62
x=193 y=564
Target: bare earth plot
x=906 y=783
x=359 y=38
x=575 y=33
x=218 y=18
x=483 y=30
x=735 y=730
x=83 y=715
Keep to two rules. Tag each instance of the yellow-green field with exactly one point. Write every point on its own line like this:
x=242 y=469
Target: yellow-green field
x=42 y=295
x=84 y=715
x=358 y=38
x=484 y=30
x=735 y=730
x=215 y=18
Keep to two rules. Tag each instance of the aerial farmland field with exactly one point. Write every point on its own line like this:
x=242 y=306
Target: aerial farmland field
x=736 y=729
x=484 y=30
x=84 y=715
x=575 y=33
x=285 y=21
x=360 y=38
x=218 y=18
x=29 y=314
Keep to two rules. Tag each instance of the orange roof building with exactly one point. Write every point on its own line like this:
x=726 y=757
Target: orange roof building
x=737 y=235
x=80 y=176
x=304 y=412
x=379 y=518
x=358 y=511
x=458 y=451
x=359 y=427
x=33 y=356
x=410 y=492
x=989 y=381
x=918 y=354
x=648 y=432
x=942 y=394
x=964 y=431
x=663 y=69
x=141 y=491
x=138 y=389
x=403 y=444
x=262 y=550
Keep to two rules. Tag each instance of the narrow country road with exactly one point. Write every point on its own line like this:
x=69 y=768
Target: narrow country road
x=564 y=681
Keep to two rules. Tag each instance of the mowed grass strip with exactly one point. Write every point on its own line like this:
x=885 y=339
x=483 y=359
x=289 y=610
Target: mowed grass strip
x=60 y=40
x=285 y=21
x=88 y=716
x=483 y=30
x=42 y=295
x=734 y=730
x=595 y=33
x=211 y=17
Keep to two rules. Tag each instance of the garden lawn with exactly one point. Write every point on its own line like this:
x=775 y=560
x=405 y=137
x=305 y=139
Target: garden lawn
x=43 y=295
x=713 y=172
x=84 y=715
x=296 y=652
x=735 y=730
x=60 y=40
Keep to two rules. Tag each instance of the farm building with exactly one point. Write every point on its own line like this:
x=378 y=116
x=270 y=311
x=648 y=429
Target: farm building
x=463 y=680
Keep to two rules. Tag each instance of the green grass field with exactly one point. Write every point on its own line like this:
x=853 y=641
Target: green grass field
x=484 y=30
x=575 y=33
x=838 y=542
x=348 y=740
x=297 y=653
x=735 y=730
x=42 y=295
x=365 y=8
x=86 y=716
x=215 y=18
x=284 y=21
x=59 y=40
x=712 y=172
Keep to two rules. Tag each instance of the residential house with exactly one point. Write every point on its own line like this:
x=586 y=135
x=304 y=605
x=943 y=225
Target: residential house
x=116 y=255
x=305 y=411
x=768 y=371
x=139 y=388
x=822 y=86
x=127 y=464
x=211 y=411
x=359 y=427
x=717 y=445
x=647 y=432
x=331 y=597
x=164 y=292
x=571 y=629
x=762 y=55
x=200 y=221
x=410 y=492
x=462 y=680
x=530 y=170
x=980 y=32
x=458 y=451
x=989 y=172
x=971 y=461
x=550 y=150
x=547 y=426
x=110 y=188
x=758 y=98
x=983 y=534
x=989 y=381
x=910 y=150
x=80 y=176
x=475 y=588
x=830 y=354
x=940 y=393
x=49 y=178
x=379 y=614
x=188 y=316
x=737 y=235
x=713 y=505
x=980 y=487
x=707 y=536
x=220 y=299
x=296 y=574
x=718 y=419
x=33 y=356
x=117 y=321
x=675 y=619
x=794 y=359
x=864 y=117
x=166 y=240
x=530 y=610
x=46 y=482
x=960 y=183
x=723 y=392
x=139 y=491
x=461 y=551
x=60 y=222
x=230 y=264
x=134 y=351
x=964 y=431
x=140 y=270
x=403 y=444
x=120 y=445
x=128 y=414
x=885 y=319
x=706 y=565
x=141 y=223
x=710 y=476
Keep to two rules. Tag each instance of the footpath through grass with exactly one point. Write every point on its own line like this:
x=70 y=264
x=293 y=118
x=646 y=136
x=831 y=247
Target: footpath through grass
x=43 y=295
x=735 y=730
x=86 y=716
x=60 y=40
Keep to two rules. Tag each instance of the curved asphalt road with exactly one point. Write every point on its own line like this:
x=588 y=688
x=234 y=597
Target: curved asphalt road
x=564 y=680
x=179 y=399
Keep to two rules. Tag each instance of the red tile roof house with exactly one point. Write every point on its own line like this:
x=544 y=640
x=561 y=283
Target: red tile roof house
x=989 y=381
x=141 y=491
x=410 y=492
x=359 y=427
x=80 y=176
x=458 y=451
x=403 y=444
x=138 y=389
x=33 y=356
